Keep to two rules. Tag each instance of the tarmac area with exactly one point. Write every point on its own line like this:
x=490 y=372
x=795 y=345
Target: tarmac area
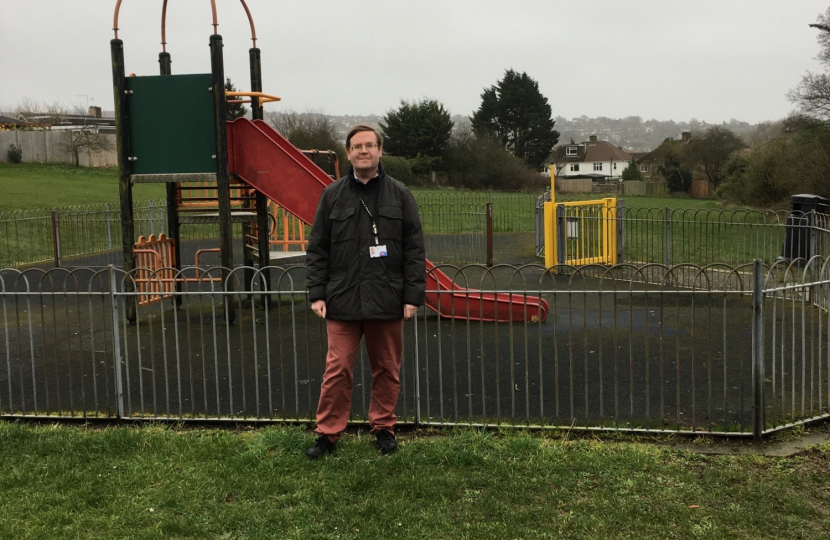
x=634 y=355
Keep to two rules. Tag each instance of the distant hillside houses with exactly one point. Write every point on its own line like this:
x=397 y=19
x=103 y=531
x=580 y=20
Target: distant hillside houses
x=635 y=134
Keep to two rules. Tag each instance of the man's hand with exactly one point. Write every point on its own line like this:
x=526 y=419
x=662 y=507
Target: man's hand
x=319 y=308
x=409 y=311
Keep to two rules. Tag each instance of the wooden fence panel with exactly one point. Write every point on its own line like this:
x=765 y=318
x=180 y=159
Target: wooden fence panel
x=701 y=189
x=6 y=138
x=634 y=188
x=611 y=187
x=58 y=148
x=656 y=189
x=574 y=185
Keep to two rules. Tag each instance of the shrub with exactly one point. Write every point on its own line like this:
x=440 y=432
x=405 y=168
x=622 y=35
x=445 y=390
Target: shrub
x=398 y=168
x=14 y=154
x=475 y=162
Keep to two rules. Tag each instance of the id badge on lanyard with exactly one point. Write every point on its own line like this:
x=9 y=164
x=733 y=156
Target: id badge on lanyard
x=378 y=250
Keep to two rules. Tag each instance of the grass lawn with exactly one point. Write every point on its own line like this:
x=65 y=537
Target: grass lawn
x=679 y=201
x=124 y=482
x=38 y=185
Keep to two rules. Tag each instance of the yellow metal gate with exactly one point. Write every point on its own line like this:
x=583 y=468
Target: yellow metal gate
x=580 y=232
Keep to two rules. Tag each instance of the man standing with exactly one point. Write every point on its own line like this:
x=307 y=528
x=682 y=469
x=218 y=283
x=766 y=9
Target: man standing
x=365 y=275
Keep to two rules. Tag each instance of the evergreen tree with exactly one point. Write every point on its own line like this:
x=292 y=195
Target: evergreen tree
x=518 y=116
x=632 y=172
x=673 y=168
x=233 y=110
x=417 y=130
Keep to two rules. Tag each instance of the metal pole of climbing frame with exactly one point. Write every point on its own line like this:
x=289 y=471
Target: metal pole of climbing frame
x=122 y=148
x=173 y=228
x=222 y=174
x=263 y=245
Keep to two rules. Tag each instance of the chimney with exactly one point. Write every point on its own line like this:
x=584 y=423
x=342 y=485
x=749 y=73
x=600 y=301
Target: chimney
x=593 y=139
x=685 y=136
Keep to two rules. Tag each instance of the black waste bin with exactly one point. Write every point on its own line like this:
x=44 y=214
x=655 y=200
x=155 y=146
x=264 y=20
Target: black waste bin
x=799 y=225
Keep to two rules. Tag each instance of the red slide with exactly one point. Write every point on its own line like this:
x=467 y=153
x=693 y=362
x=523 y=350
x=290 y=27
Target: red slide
x=265 y=160
x=457 y=302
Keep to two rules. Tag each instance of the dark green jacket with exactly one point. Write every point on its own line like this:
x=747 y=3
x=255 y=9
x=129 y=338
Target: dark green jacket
x=339 y=269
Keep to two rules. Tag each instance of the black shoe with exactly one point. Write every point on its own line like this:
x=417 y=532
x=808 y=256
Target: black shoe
x=321 y=446
x=386 y=442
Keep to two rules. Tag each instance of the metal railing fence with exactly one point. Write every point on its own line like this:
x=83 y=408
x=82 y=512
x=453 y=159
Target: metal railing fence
x=696 y=236
x=703 y=236
x=70 y=236
x=458 y=233
x=63 y=234
x=25 y=237
x=513 y=211
x=718 y=349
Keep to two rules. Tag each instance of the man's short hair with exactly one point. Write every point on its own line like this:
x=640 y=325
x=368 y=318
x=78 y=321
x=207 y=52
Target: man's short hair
x=362 y=127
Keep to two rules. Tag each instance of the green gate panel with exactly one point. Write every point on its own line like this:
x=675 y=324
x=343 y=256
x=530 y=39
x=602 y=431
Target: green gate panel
x=171 y=124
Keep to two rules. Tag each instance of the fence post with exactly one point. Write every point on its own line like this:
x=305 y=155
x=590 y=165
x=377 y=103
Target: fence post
x=109 y=227
x=620 y=230
x=116 y=346
x=759 y=412
x=812 y=224
x=539 y=226
x=56 y=237
x=152 y=217
x=417 y=377
x=668 y=237
x=489 y=213
x=561 y=234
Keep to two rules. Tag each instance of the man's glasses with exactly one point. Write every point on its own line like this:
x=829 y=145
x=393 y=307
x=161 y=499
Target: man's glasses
x=367 y=146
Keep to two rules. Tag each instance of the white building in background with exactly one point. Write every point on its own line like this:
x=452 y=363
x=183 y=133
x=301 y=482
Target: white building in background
x=599 y=160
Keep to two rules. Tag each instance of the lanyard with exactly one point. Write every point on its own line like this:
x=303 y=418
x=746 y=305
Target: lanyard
x=374 y=227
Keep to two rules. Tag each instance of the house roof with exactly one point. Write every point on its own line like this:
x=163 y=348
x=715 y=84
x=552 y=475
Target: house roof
x=10 y=120
x=605 y=151
x=590 y=152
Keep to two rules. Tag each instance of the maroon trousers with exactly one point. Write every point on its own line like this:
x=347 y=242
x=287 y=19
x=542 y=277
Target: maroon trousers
x=384 y=342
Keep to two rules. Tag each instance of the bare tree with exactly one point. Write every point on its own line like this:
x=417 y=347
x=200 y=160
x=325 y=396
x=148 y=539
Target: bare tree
x=710 y=151
x=764 y=132
x=310 y=130
x=85 y=138
x=812 y=95
x=36 y=112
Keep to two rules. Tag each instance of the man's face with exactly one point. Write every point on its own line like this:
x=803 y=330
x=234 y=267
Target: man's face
x=361 y=157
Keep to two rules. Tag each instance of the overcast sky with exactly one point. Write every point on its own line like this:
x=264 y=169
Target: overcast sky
x=663 y=59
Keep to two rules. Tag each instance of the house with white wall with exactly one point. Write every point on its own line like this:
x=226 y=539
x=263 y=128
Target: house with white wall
x=599 y=160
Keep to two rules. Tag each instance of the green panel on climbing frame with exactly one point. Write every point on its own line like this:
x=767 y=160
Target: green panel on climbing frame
x=171 y=124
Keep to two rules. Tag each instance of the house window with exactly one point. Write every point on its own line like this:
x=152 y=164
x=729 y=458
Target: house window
x=574 y=167
x=597 y=166
x=644 y=167
x=570 y=151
